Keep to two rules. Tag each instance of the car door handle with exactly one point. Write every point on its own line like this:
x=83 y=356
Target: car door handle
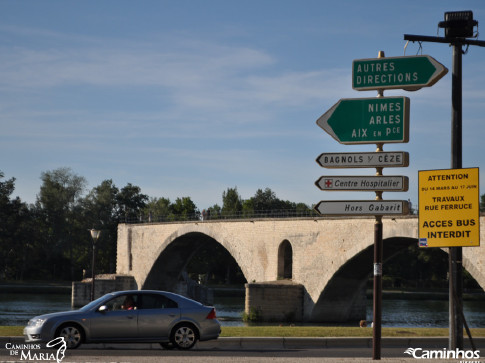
x=130 y=317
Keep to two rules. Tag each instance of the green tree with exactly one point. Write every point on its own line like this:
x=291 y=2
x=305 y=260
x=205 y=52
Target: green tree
x=302 y=208
x=266 y=202
x=58 y=199
x=15 y=232
x=101 y=204
x=231 y=202
x=213 y=212
x=184 y=209
x=131 y=203
x=482 y=203
x=60 y=191
x=6 y=189
x=157 y=209
x=100 y=210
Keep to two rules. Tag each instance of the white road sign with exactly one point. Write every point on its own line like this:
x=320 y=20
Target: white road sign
x=364 y=160
x=395 y=183
x=362 y=207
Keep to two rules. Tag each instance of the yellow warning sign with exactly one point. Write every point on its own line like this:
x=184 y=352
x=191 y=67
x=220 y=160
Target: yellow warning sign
x=449 y=208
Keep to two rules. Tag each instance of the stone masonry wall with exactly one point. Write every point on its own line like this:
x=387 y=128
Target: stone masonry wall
x=81 y=290
x=280 y=301
x=320 y=247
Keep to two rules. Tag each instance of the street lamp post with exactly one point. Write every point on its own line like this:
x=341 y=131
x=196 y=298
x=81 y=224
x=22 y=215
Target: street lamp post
x=94 y=235
x=459 y=27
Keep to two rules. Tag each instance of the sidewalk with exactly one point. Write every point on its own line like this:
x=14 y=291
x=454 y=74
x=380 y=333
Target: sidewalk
x=243 y=343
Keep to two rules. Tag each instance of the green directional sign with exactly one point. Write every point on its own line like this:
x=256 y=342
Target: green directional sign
x=410 y=73
x=368 y=120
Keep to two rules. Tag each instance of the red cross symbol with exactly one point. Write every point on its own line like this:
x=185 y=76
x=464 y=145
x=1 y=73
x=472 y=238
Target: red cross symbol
x=328 y=183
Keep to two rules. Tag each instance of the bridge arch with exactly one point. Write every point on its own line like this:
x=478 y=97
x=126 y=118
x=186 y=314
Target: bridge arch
x=346 y=288
x=176 y=251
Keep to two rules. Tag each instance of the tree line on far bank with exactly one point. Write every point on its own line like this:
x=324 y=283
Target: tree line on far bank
x=49 y=239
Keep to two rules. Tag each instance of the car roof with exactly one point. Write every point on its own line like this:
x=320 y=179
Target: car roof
x=166 y=293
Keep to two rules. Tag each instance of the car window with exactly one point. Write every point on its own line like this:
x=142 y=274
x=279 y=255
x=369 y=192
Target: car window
x=123 y=302
x=157 y=302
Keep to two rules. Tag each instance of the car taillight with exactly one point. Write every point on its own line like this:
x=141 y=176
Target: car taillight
x=212 y=314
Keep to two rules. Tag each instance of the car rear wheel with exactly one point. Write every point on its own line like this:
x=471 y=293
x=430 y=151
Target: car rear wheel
x=72 y=334
x=184 y=336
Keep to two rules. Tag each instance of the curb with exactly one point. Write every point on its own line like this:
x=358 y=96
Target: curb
x=319 y=343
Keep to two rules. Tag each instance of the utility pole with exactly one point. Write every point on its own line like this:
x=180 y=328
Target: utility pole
x=458 y=28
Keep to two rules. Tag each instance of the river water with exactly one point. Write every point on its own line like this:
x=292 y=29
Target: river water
x=18 y=308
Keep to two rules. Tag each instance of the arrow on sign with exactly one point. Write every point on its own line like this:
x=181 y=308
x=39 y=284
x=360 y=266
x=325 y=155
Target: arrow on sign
x=368 y=120
x=410 y=73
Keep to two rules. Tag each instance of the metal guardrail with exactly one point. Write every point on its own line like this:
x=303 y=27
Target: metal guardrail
x=282 y=213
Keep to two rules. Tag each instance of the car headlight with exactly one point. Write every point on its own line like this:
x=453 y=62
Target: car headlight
x=36 y=322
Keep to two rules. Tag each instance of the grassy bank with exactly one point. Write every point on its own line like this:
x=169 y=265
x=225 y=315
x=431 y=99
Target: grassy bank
x=317 y=331
x=11 y=331
x=306 y=331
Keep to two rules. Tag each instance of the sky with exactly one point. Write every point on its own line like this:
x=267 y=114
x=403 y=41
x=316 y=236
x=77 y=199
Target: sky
x=189 y=98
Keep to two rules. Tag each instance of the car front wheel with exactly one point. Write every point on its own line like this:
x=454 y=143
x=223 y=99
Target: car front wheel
x=72 y=334
x=184 y=336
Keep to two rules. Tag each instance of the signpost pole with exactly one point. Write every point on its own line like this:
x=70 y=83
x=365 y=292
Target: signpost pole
x=353 y=121
x=377 y=306
x=455 y=253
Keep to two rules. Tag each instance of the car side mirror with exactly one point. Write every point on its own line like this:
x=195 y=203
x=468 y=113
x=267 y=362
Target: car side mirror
x=103 y=309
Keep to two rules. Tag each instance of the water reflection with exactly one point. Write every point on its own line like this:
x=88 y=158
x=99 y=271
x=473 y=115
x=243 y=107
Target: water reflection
x=395 y=313
x=18 y=308
x=229 y=309
x=427 y=313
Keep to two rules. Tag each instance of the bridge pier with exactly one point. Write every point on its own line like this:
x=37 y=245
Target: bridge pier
x=275 y=301
x=81 y=290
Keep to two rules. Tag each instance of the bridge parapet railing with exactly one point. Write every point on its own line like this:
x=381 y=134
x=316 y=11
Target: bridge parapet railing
x=259 y=214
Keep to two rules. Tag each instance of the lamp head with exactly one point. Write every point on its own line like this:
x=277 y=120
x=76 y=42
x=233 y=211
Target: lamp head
x=95 y=234
x=458 y=24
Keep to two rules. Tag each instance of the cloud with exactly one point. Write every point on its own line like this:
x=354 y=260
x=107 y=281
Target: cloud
x=185 y=66
x=195 y=88
x=116 y=63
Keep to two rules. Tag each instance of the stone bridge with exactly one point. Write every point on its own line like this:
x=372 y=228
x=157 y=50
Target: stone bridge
x=329 y=259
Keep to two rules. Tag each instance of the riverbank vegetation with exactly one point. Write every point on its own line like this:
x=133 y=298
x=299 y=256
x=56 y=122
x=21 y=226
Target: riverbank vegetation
x=49 y=239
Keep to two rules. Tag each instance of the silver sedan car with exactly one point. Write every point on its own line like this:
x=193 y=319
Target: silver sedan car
x=137 y=316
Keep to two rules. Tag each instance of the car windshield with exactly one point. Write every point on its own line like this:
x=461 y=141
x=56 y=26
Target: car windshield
x=94 y=303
